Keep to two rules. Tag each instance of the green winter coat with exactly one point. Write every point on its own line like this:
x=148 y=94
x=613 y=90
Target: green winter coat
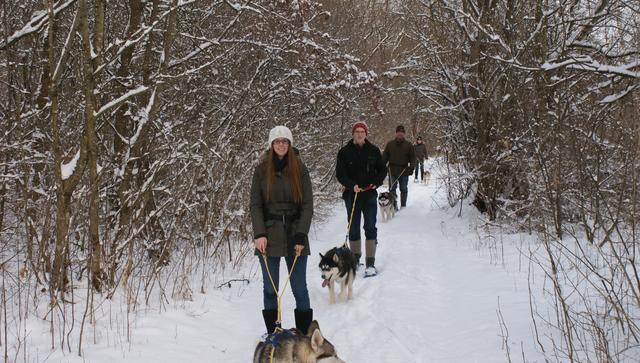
x=400 y=155
x=281 y=235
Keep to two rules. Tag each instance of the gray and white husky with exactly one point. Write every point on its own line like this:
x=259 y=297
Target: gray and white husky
x=338 y=265
x=292 y=346
x=386 y=202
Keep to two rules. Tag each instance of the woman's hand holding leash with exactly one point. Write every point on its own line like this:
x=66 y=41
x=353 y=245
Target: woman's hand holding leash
x=261 y=244
x=298 y=249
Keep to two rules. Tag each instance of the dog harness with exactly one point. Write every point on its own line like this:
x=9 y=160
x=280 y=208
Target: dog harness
x=273 y=339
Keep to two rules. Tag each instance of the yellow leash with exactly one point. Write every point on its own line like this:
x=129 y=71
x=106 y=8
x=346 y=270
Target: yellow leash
x=279 y=294
x=353 y=208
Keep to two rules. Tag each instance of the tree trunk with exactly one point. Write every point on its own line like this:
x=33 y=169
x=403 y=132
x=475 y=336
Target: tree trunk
x=95 y=260
x=64 y=187
x=58 y=271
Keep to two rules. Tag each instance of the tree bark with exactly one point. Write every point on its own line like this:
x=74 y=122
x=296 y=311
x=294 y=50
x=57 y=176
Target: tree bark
x=64 y=187
x=95 y=259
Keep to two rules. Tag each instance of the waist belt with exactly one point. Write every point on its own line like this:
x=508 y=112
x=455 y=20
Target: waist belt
x=284 y=218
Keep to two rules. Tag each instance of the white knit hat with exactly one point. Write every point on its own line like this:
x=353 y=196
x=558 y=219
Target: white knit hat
x=280 y=132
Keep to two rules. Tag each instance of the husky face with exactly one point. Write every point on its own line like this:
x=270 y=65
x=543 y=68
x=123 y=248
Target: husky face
x=385 y=199
x=325 y=351
x=329 y=268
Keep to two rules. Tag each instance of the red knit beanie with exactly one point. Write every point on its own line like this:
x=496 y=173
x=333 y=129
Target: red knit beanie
x=360 y=124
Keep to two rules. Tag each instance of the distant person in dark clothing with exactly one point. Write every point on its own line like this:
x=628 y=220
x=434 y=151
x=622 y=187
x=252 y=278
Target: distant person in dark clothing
x=360 y=170
x=401 y=157
x=421 y=155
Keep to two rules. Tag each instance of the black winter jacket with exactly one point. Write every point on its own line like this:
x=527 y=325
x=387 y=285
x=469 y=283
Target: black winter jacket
x=360 y=165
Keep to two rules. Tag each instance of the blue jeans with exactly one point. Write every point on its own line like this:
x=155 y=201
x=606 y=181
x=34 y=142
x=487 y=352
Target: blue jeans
x=403 y=181
x=420 y=166
x=298 y=282
x=367 y=205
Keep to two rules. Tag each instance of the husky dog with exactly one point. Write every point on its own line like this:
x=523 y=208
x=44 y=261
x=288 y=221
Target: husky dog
x=426 y=175
x=386 y=202
x=292 y=346
x=338 y=265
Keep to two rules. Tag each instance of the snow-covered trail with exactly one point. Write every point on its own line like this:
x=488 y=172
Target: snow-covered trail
x=436 y=296
x=435 y=300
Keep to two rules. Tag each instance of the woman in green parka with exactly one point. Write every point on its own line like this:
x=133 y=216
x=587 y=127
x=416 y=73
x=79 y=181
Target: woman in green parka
x=281 y=211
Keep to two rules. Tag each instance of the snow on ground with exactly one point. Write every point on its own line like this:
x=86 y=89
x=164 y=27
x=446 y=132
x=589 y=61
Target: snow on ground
x=438 y=297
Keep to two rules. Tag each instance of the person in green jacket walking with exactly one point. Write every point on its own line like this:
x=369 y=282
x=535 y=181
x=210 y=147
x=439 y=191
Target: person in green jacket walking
x=421 y=155
x=281 y=211
x=401 y=159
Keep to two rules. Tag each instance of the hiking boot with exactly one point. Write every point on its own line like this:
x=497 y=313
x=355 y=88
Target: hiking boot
x=370 y=271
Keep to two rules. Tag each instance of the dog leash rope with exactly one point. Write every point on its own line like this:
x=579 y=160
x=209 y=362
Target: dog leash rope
x=398 y=178
x=353 y=208
x=279 y=294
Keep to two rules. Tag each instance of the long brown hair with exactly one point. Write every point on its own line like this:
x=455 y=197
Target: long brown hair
x=291 y=173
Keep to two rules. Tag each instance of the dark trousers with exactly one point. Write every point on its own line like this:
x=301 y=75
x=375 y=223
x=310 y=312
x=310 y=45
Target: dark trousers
x=366 y=206
x=403 y=181
x=298 y=282
x=419 y=165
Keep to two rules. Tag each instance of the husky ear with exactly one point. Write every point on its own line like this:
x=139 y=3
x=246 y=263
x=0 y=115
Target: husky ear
x=336 y=259
x=312 y=327
x=316 y=340
x=321 y=256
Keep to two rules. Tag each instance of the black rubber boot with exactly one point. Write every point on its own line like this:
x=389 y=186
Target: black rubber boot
x=303 y=319
x=270 y=317
x=403 y=199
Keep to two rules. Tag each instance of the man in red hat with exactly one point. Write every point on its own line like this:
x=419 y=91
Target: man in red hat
x=360 y=170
